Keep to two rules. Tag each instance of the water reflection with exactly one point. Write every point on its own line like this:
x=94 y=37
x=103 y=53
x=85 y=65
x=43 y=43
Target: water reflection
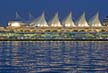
x=55 y=56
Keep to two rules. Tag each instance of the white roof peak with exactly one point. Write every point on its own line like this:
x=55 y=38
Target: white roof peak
x=68 y=22
x=17 y=15
x=95 y=22
x=30 y=16
x=82 y=21
x=40 y=21
x=55 y=22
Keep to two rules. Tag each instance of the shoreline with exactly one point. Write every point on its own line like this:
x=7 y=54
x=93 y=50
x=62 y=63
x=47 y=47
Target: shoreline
x=54 y=40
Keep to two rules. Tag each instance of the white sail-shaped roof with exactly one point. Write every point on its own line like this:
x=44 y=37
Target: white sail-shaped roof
x=82 y=21
x=40 y=21
x=95 y=22
x=68 y=22
x=55 y=22
x=30 y=16
x=17 y=16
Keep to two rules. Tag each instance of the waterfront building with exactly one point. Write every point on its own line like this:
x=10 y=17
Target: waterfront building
x=40 y=24
x=55 y=29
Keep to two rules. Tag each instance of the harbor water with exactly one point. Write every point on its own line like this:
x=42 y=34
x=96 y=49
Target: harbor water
x=54 y=56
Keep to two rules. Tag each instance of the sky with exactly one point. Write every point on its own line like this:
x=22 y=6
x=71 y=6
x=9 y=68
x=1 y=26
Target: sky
x=8 y=8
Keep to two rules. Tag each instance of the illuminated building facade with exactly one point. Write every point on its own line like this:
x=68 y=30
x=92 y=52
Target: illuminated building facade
x=41 y=25
x=93 y=28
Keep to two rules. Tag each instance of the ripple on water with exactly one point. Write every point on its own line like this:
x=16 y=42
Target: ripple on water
x=55 y=56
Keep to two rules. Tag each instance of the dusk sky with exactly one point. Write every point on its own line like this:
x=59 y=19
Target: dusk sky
x=8 y=8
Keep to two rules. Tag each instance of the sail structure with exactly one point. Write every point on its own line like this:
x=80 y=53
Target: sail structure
x=95 y=22
x=68 y=22
x=82 y=21
x=55 y=22
x=30 y=16
x=40 y=21
x=17 y=16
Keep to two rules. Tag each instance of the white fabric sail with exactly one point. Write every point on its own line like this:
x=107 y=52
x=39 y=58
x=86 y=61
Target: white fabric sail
x=40 y=21
x=55 y=22
x=30 y=16
x=95 y=22
x=82 y=21
x=68 y=22
x=17 y=16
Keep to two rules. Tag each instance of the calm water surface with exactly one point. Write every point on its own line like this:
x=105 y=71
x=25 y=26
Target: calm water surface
x=54 y=56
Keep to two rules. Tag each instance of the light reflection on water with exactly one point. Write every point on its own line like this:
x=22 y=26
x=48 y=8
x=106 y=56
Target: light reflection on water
x=60 y=56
